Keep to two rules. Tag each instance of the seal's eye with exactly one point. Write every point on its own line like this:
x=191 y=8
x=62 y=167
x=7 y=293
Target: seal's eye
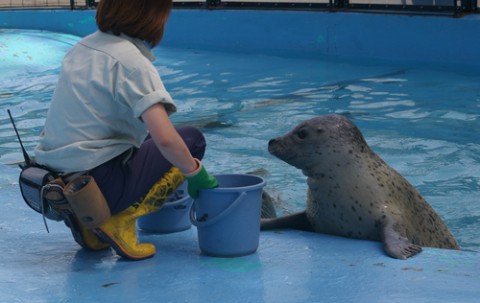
x=302 y=134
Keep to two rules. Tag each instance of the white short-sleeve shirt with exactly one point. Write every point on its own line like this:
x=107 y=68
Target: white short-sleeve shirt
x=105 y=85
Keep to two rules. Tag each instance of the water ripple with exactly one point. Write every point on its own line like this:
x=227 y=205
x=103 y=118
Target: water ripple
x=423 y=122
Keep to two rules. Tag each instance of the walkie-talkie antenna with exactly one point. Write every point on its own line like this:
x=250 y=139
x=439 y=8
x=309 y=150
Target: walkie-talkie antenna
x=25 y=155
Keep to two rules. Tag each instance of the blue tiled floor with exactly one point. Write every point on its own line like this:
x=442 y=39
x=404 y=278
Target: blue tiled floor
x=289 y=266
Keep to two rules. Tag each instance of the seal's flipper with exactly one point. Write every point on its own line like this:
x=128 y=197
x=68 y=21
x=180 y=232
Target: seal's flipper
x=293 y=221
x=397 y=245
x=268 y=208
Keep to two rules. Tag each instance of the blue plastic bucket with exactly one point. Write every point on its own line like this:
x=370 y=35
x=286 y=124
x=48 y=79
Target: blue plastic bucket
x=228 y=217
x=172 y=217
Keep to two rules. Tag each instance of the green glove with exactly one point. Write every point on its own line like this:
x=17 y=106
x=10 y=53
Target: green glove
x=200 y=180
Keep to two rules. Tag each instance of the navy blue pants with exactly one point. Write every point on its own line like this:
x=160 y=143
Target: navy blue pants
x=123 y=183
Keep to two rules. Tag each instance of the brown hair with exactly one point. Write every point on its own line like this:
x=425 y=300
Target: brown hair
x=142 y=19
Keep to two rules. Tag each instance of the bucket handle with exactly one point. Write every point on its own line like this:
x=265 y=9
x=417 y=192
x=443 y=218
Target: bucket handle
x=224 y=213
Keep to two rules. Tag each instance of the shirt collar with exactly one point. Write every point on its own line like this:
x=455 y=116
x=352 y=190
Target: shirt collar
x=142 y=47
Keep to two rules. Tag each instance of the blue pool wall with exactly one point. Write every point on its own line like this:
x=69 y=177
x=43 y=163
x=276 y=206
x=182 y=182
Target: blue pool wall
x=309 y=34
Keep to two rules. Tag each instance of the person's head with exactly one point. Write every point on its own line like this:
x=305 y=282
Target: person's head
x=142 y=19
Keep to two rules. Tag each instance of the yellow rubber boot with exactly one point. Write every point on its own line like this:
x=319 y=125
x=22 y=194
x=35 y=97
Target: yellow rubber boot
x=119 y=231
x=91 y=240
x=160 y=192
x=85 y=237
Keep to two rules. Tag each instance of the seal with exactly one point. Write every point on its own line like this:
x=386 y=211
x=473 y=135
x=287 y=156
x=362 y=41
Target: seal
x=353 y=193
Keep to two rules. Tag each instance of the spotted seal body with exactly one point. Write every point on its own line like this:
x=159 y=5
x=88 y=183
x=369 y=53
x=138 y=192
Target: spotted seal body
x=353 y=193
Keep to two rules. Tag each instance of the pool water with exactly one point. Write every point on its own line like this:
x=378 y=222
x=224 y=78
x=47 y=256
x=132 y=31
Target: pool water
x=423 y=121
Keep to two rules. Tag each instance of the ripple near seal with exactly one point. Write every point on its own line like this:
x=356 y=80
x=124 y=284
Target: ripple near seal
x=353 y=193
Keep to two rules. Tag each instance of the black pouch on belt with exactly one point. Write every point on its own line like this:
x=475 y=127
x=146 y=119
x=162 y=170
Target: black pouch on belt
x=33 y=181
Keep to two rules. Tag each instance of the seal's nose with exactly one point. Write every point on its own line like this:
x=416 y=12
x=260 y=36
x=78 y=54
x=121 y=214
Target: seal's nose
x=272 y=145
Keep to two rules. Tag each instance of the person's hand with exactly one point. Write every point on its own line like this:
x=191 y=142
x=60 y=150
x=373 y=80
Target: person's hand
x=200 y=179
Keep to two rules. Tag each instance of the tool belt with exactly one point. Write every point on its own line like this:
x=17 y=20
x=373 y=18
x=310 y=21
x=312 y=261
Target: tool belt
x=45 y=192
x=57 y=196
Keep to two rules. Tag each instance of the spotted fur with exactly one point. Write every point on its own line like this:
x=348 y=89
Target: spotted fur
x=353 y=193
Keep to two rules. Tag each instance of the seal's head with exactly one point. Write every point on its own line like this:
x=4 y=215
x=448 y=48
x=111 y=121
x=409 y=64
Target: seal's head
x=318 y=142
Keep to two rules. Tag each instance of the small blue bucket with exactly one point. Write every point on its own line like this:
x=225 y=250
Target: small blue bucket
x=228 y=217
x=172 y=217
